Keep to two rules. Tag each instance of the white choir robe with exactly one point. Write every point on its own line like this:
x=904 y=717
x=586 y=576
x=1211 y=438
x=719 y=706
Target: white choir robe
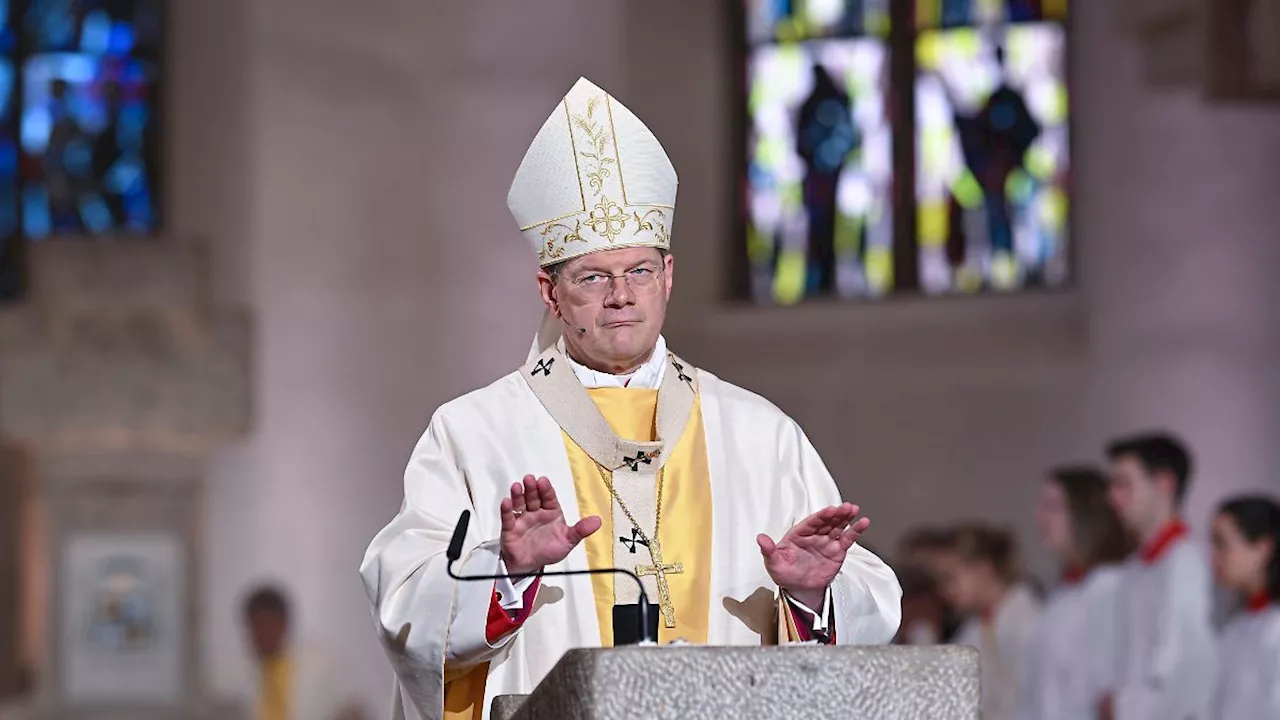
x=1164 y=650
x=1068 y=675
x=1005 y=648
x=1249 y=667
x=765 y=477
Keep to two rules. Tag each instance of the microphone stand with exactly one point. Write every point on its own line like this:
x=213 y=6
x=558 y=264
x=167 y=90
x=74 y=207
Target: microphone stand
x=454 y=553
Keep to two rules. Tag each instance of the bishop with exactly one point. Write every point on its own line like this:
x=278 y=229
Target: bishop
x=608 y=450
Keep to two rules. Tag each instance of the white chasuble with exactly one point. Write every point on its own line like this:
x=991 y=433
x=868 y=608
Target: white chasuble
x=763 y=476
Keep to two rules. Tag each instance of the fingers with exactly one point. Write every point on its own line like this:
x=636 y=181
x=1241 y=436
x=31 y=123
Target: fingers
x=532 y=500
x=585 y=527
x=547 y=495
x=508 y=517
x=767 y=546
x=855 y=531
x=518 y=503
x=829 y=521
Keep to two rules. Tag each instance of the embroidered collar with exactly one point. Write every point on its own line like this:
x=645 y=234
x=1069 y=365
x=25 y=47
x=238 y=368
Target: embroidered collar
x=1258 y=602
x=1163 y=540
x=647 y=377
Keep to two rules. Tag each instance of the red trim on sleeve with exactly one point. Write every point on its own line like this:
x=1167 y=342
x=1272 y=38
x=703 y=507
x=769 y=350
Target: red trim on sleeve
x=502 y=622
x=804 y=625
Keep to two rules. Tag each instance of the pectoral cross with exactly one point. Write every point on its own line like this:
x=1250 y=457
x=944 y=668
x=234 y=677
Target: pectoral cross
x=660 y=571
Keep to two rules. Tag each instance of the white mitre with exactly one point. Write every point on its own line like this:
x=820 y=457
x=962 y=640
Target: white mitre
x=594 y=178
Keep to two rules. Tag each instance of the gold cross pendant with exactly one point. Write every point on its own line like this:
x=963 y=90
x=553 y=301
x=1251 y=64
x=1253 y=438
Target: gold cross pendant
x=660 y=571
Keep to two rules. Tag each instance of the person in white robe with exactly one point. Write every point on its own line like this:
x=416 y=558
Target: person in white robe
x=1246 y=561
x=1163 y=655
x=1082 y=531
x=608 y=450
x=981 y=576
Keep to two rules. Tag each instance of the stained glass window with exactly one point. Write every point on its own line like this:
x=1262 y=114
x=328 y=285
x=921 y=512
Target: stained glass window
x=10 y=238
x=955 y=111
x=79 y=122
x=89 y=131
x=992 y=145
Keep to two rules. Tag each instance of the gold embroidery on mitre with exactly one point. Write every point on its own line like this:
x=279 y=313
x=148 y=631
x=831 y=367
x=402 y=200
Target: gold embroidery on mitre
x=559 y=233
x=609 y=218
x=598 y=167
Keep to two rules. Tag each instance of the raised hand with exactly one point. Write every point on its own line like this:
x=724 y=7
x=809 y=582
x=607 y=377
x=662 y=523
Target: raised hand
x=810 y=555
x=534 y=533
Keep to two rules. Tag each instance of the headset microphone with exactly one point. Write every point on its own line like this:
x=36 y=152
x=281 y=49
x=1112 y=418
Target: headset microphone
x=581 y=330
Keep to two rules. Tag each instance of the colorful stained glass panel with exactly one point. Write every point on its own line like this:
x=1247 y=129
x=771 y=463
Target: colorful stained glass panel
x=820 y=170
x=993 y=158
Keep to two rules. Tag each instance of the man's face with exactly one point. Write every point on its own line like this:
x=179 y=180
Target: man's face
x=266 y=632
x=1137 y=495
x=1054 y=520
x=613 y=304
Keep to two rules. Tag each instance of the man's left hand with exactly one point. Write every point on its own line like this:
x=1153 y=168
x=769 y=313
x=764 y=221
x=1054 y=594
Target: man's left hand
x=809 y=556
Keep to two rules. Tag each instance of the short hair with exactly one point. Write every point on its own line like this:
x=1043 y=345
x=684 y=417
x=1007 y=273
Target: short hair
x=981 y=542
x=1098 y=535
x=1157 y=452
x=1258 y=518
x=554 y=269
x=923 y=538
x=269 y=599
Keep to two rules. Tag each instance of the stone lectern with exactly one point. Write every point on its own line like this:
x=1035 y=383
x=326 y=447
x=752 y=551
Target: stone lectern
x=695 y=682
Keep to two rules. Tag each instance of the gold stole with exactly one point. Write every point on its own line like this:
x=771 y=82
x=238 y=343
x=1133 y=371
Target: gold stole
x=685 y=533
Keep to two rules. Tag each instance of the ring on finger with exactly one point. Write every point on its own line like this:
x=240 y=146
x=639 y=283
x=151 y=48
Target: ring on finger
x=517 y=513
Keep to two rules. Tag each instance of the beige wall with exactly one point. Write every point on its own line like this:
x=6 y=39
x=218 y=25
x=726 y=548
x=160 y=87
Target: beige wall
x=349 y=162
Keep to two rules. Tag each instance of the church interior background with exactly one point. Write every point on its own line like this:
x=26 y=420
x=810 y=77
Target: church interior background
x=246 y=248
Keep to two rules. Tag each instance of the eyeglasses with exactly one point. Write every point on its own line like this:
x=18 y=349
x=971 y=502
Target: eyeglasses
x=641 y=280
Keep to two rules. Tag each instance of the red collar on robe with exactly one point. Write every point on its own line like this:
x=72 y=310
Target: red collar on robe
x=1074 y=574
x=1258 y=602
x=1163 y=540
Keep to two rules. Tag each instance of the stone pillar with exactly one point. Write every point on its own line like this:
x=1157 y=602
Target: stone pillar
x=1179 y=265
x=121 y=379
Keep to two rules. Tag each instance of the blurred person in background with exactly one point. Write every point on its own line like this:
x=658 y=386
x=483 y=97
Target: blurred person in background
x=1084 y=534
x=1246 y=560
x=924 y=611
x=981 y=575
x=927 y=617
x=291 y=683
x=1163 y=655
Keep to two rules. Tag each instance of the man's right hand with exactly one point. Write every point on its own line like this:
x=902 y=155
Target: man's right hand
x=534 y=533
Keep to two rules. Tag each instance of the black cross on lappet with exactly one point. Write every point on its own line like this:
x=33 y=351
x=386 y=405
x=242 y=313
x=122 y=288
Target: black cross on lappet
x=634 y=462
x=635 y=539
x=543 y=366
x=680 y=373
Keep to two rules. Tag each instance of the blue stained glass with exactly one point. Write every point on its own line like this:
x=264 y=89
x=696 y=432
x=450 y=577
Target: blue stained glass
x=89 y=133
x=122 y=38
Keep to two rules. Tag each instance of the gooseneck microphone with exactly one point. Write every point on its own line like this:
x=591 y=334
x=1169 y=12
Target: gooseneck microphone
x=454 y=552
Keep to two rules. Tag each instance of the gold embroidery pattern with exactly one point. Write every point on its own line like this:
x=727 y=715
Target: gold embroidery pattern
x=562 y=234
x=598 y=169
x=658 y=225
x=607 y=218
